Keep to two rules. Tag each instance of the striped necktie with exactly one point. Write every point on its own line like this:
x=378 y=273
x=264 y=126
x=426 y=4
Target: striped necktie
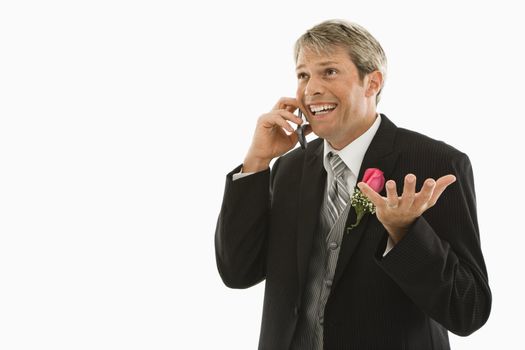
x=338 y=195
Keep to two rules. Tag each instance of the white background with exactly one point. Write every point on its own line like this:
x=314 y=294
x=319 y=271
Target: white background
x=120 y=119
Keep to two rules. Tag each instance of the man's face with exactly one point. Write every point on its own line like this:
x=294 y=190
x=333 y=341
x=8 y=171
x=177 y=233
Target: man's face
x=333 y=97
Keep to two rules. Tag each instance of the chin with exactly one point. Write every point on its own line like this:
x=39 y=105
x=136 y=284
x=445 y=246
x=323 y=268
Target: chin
x=321 y=132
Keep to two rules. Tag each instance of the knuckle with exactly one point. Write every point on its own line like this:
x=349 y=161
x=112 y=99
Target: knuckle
x=264 y=121
x=391 y=189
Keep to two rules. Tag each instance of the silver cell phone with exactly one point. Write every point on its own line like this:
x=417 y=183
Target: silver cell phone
x=300 y=132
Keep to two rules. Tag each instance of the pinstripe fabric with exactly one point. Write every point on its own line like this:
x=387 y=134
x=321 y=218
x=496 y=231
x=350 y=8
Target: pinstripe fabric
x=323 y=261
x=435 y=281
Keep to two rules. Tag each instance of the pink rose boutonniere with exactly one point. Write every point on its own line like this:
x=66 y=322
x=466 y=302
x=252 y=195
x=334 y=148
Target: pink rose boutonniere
x=374 y=178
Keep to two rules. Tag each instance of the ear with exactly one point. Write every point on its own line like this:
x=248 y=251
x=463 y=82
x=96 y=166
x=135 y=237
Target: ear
x=374 y=82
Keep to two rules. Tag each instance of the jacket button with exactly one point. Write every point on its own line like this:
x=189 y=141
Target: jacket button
x=333 y=245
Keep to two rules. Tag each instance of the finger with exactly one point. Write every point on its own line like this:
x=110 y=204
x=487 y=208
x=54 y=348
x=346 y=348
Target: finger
x=441 y=184
x=423 y=197
x=391 y=194
x=371 y=194
x=280 y=117
x=288 y=103
x=289 y=116
x=409 y=192
x=284 y=124
x=272 y=120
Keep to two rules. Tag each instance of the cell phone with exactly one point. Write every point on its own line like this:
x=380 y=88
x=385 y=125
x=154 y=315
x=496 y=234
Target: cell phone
x=300 y=132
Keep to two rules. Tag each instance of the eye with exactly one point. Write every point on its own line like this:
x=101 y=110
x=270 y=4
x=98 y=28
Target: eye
x=330 y=72
x=302 y=76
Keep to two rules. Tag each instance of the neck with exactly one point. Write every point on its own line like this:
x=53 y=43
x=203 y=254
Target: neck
x=357 y=131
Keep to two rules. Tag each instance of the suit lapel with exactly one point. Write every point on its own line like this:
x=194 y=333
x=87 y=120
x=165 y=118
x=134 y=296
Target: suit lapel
x=380 y=154
x=311 y=196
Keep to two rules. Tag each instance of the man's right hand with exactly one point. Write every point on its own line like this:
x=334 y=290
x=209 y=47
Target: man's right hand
x=270 y=139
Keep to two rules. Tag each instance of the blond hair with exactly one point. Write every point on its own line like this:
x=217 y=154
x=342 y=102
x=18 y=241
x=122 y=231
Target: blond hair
x=364 y=50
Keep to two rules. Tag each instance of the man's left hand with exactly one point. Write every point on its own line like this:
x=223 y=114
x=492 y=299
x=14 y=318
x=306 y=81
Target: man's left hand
x=398 y=213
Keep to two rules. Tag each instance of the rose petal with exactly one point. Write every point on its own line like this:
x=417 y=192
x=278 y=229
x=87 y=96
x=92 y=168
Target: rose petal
x=374 y=178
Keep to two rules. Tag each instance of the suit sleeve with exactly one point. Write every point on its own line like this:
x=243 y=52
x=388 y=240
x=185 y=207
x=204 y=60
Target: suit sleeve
x=439 y=264
x=241 y=237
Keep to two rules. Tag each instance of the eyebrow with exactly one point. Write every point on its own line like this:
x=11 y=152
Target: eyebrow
x=322 y=64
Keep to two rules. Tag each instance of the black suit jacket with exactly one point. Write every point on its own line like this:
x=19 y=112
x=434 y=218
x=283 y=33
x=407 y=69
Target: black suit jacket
x=432 y=281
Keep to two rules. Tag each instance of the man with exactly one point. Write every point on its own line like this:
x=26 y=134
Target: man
x=398 y=279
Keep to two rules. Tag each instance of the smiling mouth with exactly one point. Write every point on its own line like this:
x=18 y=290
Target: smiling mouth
x=321 y=109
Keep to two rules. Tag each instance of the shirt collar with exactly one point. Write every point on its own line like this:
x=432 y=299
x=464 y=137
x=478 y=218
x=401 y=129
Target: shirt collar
x=353 y=153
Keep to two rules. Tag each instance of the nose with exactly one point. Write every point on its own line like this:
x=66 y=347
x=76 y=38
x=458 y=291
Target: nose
x=314 y=87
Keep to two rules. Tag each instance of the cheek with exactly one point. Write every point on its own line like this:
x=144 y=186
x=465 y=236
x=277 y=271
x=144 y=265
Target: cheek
x=299 y=93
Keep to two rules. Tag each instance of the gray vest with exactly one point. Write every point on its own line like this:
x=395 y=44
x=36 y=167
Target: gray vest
x=321 y=269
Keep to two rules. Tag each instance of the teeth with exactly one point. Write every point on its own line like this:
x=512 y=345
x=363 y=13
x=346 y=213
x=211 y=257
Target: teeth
x=321 y=108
